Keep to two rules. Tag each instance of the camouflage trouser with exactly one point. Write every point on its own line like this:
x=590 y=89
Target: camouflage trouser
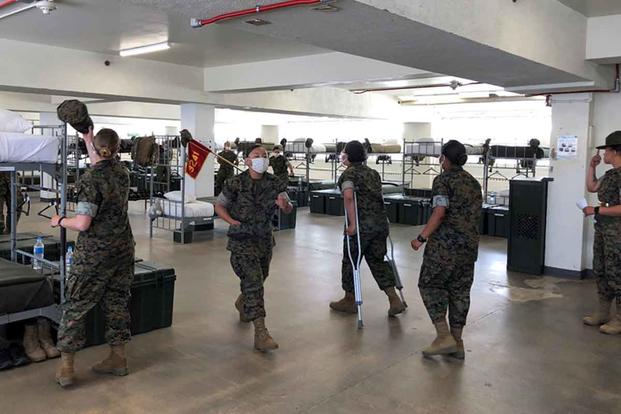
x=607 y=265
x=446 y=285
x=252 y=265
x=97 y=280
x=221 y=177
x=373 y=248
x=5 y=208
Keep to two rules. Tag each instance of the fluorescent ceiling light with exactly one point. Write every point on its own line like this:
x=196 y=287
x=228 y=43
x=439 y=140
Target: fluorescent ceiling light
x=144 y=49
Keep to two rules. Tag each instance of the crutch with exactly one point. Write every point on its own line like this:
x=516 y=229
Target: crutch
x=391 y=260
x=355 y=265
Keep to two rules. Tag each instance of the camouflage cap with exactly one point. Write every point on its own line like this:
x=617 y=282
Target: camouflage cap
x=75 y=113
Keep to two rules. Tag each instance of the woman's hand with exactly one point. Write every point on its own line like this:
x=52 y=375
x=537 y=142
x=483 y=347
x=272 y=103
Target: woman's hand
x=54 y=221
x=351 y=229
x=589 y=211
x=88 y=137
x=596 y=160
x=416 y=245
x=234 y=223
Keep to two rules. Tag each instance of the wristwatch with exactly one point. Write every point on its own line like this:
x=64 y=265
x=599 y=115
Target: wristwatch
x=421 y=239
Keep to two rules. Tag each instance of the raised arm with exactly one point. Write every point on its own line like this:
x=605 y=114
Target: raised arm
x=592 y=183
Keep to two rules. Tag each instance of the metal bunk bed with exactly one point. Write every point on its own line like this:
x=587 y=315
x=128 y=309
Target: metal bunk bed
x=50 y=271
x=180 y=215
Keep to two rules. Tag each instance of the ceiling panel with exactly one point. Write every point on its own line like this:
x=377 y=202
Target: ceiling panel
x=110 y=25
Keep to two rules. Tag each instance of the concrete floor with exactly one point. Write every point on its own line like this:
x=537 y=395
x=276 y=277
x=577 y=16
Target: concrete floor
x=527 y=350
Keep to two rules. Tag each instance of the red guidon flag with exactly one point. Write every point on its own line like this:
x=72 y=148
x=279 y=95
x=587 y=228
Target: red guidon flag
x=197 y=154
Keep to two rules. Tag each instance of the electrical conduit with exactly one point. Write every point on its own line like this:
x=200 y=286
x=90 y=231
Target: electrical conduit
x=258 y=9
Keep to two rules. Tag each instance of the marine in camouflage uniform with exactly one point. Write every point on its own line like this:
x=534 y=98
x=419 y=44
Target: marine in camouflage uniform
x=452 y=231
x=225 y=171
x=373 y=228
x=607 y=244
x=447 y=272
x=5 y=203
x=280 y=164
x=252 y=203
x=103 y=266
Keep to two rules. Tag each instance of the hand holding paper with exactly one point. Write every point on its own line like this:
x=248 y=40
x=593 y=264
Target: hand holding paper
x=582 y=204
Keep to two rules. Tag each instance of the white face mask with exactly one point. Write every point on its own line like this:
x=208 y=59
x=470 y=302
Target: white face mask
x=260 y=165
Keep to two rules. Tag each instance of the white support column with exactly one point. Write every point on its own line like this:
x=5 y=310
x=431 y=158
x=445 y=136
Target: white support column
x=270 y=133
x=416 y=130
x=199 y=120
x=565 y=248
x=48 y=118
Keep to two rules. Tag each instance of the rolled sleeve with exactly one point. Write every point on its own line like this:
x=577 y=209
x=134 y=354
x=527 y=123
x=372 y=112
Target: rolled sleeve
x=223 y=200
x=347 y=185
x=440 y=201
x=88 y=197
x=440 y=193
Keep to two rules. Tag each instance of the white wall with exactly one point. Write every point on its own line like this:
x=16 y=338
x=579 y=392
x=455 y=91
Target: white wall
x=603 y=39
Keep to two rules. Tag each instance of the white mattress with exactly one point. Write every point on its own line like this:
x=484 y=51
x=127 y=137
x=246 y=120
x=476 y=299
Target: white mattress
x=192 y=209
x=17 y=147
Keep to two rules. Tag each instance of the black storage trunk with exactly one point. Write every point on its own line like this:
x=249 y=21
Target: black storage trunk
x=410 y=212
x=392 y=209
x=529 y=204
x=483 y=226
x=151 y=305
x=317 y=203
x=426 y=210
x=299 y=195
x=334 y=203
x=498 y=221
x=284 y=221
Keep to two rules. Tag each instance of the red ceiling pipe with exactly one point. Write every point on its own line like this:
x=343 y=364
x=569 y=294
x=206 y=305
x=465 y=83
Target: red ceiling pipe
x=4 y=3
x=257 y=9
x=616 y=89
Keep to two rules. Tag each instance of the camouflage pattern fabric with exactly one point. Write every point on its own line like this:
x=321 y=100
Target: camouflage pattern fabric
x=368 y=186
x=373 y=248
x=253 y=204
x=279 y=165
x=225 y=171
x=459 y=232
x=445 y=283
x=606 y=245
x=103 y=265
x=5 y=203
x=250 y=260
x=448 y=263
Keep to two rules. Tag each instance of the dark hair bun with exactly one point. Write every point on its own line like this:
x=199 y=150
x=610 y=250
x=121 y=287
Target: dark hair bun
x=355 y=152
x=455 y=152
x=105 y=152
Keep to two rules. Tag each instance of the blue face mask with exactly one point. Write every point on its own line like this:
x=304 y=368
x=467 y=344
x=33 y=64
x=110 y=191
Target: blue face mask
x=260 y=165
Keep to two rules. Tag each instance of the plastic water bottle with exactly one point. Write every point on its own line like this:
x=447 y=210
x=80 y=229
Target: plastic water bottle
x=38 y=251
x=69 y=260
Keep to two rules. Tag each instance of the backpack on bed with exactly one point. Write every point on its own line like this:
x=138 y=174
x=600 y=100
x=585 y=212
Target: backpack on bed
x=144 y=151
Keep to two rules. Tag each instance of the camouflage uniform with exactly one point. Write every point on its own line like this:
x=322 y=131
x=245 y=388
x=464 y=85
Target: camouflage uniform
x=373 y=227
x=606 y=246
x=225 y=171
x=5 y=203
x=253 y=204
x=447 y=272
x=279 y=165
x=103 y=266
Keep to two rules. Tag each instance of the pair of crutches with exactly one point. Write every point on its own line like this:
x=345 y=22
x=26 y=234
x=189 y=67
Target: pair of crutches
x=356 y=264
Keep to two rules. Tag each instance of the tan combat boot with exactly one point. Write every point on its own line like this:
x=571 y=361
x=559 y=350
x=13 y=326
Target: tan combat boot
x=444 y=343
x=614 y=326
x=396 y=306
x=460 y=353
x=45 y=338
x=115 y=364
x=65 y=376
x=239 y=305
x=600 y=316
x=345 y=305
x=262 y=340
x=31 y=344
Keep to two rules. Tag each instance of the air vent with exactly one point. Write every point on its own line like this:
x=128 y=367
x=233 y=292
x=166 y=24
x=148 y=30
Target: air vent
x=258 y=22
x=328 y=8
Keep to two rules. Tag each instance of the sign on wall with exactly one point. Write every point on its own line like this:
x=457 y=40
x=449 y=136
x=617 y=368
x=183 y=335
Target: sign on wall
x=567 y=147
